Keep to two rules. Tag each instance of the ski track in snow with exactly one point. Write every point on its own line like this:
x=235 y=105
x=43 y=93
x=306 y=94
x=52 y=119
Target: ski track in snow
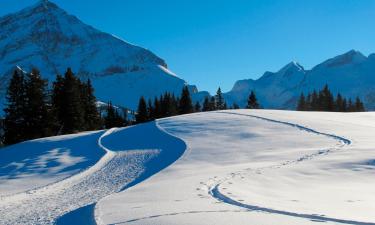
x=214 y=184
x=44 y=205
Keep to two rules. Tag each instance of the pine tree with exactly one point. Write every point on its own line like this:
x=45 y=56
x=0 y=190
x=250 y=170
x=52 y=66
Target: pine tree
x=14 y=121
x=92 y=120
x=326 y=100
x=36 y=112
x=197 y=107
x=157 y=108
x=58 y=110
x=151 y=110
x=235 y=106
x=142 y=114
x=112 y=117
x=219 y=100
x=314 y=106
x=206 y=104
x=351 y=107
x=339 y=104
x=72 y=110
x=359 y=105
x=185 y=103
x=212 y=104
x=252 y=102
x=302 y=106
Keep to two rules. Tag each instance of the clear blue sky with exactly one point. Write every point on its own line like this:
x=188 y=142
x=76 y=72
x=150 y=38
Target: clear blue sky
x=213 y=43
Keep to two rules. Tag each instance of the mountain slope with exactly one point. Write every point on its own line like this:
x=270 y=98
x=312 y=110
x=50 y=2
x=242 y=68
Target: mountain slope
x=351 y=74
x=48 y=38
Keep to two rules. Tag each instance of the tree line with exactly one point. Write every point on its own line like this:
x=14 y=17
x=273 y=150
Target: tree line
x=324 y=100
x=169 y=105
x=33 y=110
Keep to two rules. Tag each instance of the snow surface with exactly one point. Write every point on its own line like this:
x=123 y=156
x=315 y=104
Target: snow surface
x=233 y=167
x=241 y=169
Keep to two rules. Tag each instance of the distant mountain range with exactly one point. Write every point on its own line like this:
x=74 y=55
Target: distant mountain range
x=352 y=74
x=48 y=38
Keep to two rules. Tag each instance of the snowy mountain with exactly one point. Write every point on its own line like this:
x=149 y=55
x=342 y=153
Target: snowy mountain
x=351 y=74
x=225 y=167
x=48 y=38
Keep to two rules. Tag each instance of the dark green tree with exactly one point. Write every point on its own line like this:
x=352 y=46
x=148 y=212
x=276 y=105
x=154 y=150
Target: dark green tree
x=359 y=105
x=74 y=114
x=197 y=107
x=302 y=105
x=185 y=103
x=235 y=106
x=14 y=121
x=142 y=113
x=219 y=100
x=36 y=110
x=252 y=102
x=92 y=120
x=206 y=104
x=112 y=117
x=212 y=104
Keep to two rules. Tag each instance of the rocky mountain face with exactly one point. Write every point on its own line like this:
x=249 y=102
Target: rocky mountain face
x=46 y=37
x=352 y=74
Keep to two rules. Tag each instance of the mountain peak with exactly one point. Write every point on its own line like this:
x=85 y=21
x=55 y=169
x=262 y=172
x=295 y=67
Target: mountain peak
x=350 y=57
x=292 y=66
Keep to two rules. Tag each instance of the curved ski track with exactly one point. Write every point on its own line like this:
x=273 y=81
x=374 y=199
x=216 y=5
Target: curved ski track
x=214 y=190
x=44 y=205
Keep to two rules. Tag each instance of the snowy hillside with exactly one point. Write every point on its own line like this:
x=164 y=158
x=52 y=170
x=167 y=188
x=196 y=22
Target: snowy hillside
x=351 y=74
x=225 y=167
x=47 y=37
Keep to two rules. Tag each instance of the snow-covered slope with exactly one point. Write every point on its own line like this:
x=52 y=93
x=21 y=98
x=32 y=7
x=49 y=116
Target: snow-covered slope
x=48 y=38
x=258 y=167
x=233 y=167
x=351 y=74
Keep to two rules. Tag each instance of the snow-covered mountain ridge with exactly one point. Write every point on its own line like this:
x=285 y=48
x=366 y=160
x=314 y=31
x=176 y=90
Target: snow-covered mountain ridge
x=351 y=74
x=48 y=38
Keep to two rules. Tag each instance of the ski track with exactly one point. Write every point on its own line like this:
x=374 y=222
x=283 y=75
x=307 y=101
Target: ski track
x=44 y=205
x=214 y=184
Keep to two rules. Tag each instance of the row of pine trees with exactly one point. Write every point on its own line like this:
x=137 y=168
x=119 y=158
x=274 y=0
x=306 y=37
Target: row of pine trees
x=33 y=110
x=324 y=100
x=168 y=105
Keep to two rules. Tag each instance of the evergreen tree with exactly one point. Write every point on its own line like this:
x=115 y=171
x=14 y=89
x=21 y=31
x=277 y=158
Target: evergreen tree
x=58 y=98
x=185 y=103
x=351 y=107
x=212 y=104
x=314 y=106
x=157 y=108
x=219 y=100
x=151 y=110
x=326 y=100
x=112 y=117
x=252 y=102
x=206 y=104
x=359 y=105
x=197 y=107
x=14 y=121
x=235 y=106
x=142 y=114
x=302 y=106
x=92 y=118
x=339 y=103
x=344 y=107
x=74 y=115
x=36 y=111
